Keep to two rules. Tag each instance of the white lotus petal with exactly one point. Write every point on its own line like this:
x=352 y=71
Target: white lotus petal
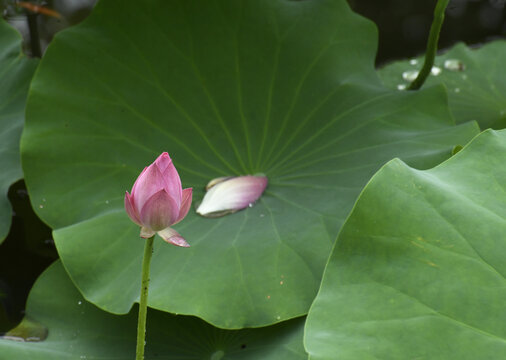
x=230 y=195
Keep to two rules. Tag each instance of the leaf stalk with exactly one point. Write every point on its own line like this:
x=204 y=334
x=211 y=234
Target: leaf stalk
x=430 y=54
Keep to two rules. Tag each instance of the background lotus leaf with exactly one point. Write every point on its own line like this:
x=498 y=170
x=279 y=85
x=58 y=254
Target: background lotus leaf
x=15 y=74
x=78 y=330
x=475 y=79
x=418 y=270
x=285 y=88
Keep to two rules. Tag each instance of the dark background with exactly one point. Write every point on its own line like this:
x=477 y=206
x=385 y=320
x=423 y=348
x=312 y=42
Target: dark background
x=404 y=24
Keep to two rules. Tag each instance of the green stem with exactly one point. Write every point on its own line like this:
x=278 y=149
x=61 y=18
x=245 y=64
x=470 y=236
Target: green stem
x=430 y=54
x=143 y=303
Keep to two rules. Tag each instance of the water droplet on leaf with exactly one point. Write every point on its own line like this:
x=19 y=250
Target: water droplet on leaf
x=401 y=87
x=410 y=75
x=435 y=70
x=454 y=65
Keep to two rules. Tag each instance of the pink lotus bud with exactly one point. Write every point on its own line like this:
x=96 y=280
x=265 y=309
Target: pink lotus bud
x=158 y=201
x=230 y=194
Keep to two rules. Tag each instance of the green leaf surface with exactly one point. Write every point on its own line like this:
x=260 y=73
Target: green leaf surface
x=285 y=88
x=418 y=269
x=475 y=79
x=79 y=330
x=15 y=74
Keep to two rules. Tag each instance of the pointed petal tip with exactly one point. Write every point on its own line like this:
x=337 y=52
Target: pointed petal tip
x=163 y=161
x=179 y=241
x=163 y=155
x=171 y=236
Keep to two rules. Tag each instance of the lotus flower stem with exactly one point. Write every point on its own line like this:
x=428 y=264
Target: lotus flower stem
x=156 y=203
x=430 y=54
x=143 y=303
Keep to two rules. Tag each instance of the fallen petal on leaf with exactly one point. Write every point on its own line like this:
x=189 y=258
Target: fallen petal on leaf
x=226 y=196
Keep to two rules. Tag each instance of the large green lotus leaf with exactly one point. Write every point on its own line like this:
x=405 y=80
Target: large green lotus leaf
x=286 y=88
x=16 y=71
x=77 y=329
x=475 y=79
x=418 y=269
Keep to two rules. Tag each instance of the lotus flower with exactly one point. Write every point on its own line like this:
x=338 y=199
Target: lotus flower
x=158 y=201
x=226 y=195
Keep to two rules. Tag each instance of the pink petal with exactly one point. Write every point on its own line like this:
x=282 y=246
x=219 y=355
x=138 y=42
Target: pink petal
x=149 y=182
x=159 y=211
x=137 y=180
x=173 y=183
x=163 y=161
x=172 y=236
x=185 y=204
x=130 y=209
x=147 y=233
x=232 y=195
